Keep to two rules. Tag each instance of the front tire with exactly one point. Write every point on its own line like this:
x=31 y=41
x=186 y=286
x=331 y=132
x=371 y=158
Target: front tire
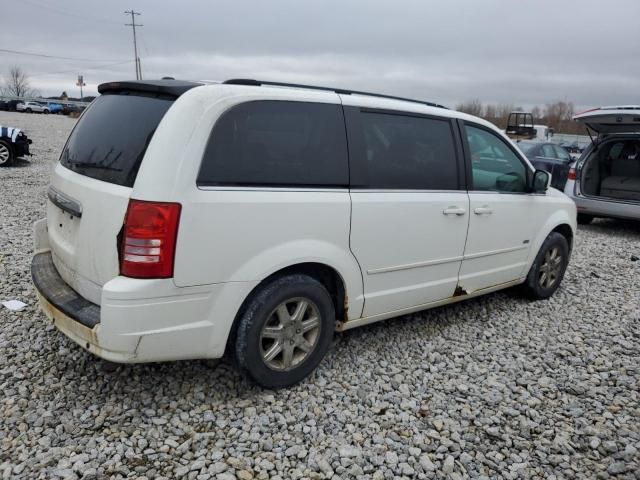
x=548 y=268
x=284 y=331
x=28 y=110
x=7 y=155
x=45 y=111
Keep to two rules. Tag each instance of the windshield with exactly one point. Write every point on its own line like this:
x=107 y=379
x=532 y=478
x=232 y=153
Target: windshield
x=110 y=139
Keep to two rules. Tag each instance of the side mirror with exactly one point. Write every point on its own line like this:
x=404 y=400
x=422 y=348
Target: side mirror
x=541 y=181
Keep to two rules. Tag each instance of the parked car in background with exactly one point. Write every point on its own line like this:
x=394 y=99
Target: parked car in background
x=55 y=107
x=9 y=105
x=14 y=143
x=550 y=157
x=12 y=105
x=32 y=107
x=573 y=149
x=72 y=109
x=185 y=220
x=605 y=182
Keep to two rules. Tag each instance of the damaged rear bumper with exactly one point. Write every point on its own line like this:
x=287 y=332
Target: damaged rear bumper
x=70 y=313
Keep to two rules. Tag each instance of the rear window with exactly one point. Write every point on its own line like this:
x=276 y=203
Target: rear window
x=277 y=143
x=110 y=139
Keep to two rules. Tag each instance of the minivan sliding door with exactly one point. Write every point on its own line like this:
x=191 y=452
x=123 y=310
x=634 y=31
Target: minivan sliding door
x=409 y=208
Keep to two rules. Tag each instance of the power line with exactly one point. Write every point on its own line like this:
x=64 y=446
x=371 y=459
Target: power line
x=67 y=13
x=44 y=55
x=135 y=43
x=95 y=67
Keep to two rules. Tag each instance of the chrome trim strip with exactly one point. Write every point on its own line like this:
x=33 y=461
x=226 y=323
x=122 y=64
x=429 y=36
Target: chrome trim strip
x=408 y=266
x=496 y=252
x=440 y=261
x=64 y=202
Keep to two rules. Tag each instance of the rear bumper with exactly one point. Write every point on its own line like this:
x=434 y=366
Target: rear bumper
x=609 y=208
x=70 y=313
x=138 y=320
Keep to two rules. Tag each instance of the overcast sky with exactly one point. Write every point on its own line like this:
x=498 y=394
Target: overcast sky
x=447 y=51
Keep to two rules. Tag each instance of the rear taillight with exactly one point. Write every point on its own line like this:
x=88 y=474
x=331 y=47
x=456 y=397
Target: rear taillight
x=572 y=174
x=149 y=239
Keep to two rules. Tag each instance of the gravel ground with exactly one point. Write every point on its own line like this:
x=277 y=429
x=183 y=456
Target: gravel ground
x=496 y=387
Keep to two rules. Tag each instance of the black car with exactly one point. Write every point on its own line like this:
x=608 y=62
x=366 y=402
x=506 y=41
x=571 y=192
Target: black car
x=14 y=143
x=70 y=108
x=550 y=157
x=9 y=106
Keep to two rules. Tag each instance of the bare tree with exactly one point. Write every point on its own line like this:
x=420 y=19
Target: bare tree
x=473 y=107
x=16 y=83
x=558 y=113
x=536 y=113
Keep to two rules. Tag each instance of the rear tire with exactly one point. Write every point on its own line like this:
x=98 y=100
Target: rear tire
x=7 y=155
x=548 y=268
x=45 y=111
x=284 y=331
x=584 y=219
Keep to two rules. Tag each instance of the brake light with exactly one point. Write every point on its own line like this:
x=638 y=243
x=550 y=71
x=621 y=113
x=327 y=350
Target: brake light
x=572 y=174
x=149 y=239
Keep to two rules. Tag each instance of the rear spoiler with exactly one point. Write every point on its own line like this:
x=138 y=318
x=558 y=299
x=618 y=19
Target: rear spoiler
x=173 y=88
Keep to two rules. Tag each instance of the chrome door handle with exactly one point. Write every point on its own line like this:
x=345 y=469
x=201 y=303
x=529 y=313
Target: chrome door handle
x=485 y=210
x=454 y=211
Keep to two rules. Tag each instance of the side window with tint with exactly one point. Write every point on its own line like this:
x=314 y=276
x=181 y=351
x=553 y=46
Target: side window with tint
x=562 y=154
x=548 y=151
x=277 y=143
x=406 y=152
x=494 y=165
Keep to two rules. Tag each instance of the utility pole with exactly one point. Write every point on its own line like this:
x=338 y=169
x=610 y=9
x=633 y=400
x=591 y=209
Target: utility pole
x=81 y=84
x=133 y=24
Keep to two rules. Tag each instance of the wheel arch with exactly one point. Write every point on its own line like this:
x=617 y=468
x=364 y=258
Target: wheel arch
x=565 y=230
x=324 y=273
x=561 y=222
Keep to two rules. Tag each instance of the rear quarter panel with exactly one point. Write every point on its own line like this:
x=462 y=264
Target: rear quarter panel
x=242 y=234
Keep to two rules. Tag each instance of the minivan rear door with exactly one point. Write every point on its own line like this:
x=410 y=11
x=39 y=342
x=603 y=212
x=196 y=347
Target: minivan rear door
x=607 y=120
x=91 y=185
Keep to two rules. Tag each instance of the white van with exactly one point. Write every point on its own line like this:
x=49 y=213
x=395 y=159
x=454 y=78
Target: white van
x=187 y=220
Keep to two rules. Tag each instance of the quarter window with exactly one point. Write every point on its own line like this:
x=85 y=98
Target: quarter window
x=277 y=143
x=407 y=152
x=548 y=151
x=495 y=166
x=562 y=154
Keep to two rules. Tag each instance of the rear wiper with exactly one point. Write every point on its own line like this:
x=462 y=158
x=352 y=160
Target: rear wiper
x=97 y=166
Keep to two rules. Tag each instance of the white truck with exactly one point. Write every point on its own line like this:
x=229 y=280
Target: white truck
x=520 y=127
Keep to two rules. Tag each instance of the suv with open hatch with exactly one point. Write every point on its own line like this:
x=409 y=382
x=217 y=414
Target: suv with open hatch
x=605 y=181
x=257 y=218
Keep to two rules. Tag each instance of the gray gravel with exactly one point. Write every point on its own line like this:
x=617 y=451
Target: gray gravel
x=494 y=387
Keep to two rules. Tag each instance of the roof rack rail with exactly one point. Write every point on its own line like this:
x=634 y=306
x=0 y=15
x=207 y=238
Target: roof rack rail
x=341 y=91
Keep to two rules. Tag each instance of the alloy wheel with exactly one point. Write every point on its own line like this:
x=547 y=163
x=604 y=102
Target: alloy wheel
x=5 y=154
x=551 y=268
x=290 y=334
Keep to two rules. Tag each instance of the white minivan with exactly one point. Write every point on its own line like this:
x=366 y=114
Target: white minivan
x=186 y=220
